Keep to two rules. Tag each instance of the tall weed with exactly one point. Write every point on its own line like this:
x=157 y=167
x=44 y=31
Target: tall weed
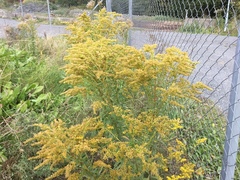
x=128 y=134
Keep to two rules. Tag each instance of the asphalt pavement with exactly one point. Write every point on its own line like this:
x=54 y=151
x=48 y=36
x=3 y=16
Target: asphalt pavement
x=42 y=29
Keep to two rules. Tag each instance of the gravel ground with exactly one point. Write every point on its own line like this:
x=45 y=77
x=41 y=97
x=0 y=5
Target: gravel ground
x=214 y=53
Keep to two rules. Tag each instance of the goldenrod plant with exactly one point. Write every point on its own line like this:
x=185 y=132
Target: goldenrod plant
x=129 y=134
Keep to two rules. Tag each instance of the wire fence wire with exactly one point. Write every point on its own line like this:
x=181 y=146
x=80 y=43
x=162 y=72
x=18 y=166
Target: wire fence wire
x=209 y=32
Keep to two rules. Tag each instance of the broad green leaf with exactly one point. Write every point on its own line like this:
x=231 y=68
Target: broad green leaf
x=41 y=98
x=2 y=157
x=38 y=89
x=22 y=107
x=16 y=92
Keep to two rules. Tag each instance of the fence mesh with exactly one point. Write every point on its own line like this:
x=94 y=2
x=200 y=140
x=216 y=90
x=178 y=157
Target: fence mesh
x=208 y=31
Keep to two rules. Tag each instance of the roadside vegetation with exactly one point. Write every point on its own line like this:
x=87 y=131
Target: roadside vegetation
x=188 y=17
x=108 y=111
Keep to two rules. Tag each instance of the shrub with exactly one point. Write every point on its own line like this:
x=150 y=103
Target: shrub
x=129 y=134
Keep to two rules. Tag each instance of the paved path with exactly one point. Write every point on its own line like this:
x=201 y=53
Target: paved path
x=42 y=29
x=214 y=53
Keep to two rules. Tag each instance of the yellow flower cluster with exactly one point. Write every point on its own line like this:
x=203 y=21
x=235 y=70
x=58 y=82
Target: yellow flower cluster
x=66 y=147
x=97 y=105
x=200 y=141
x=147 y=122
x=176 y=155
x=62 y=145
x=104 y=64
x=108 y=25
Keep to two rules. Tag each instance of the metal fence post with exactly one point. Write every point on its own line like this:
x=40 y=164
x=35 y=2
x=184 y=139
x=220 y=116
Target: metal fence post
x=130 y=13
x=49 y=13
x=109 y=5
x=130 y=10
x=233 y=126
x=21 y=6
x=227 y=15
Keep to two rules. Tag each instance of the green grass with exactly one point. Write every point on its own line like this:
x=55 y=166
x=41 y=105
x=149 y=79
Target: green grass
x=61 y=12
x=156 y=18
x=203 y=120
x=196 y=28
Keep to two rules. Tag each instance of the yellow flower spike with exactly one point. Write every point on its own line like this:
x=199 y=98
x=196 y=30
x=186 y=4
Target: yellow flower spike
x=199 y=171
x=100 y=163
x=176 y=124
x=200 y=141
x=181 y=144
x=110 y=127
x=175 y=103
x=73 y=176
x=97 y=105
x=150 y=49
x=71 y=166
x=187 y=170
x=183 y=160
x=200 y=85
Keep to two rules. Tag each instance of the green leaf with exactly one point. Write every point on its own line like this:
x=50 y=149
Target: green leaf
x=86 y=172
x=22 y=107
x=2 y=157
x=38 y=89
x=7 y=96
x=16 y=92
x=31 y=86
x=41 y=98
x=1 y=111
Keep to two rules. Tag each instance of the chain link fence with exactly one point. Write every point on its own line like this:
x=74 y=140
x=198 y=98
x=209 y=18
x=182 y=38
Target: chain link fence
x=209 y=32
